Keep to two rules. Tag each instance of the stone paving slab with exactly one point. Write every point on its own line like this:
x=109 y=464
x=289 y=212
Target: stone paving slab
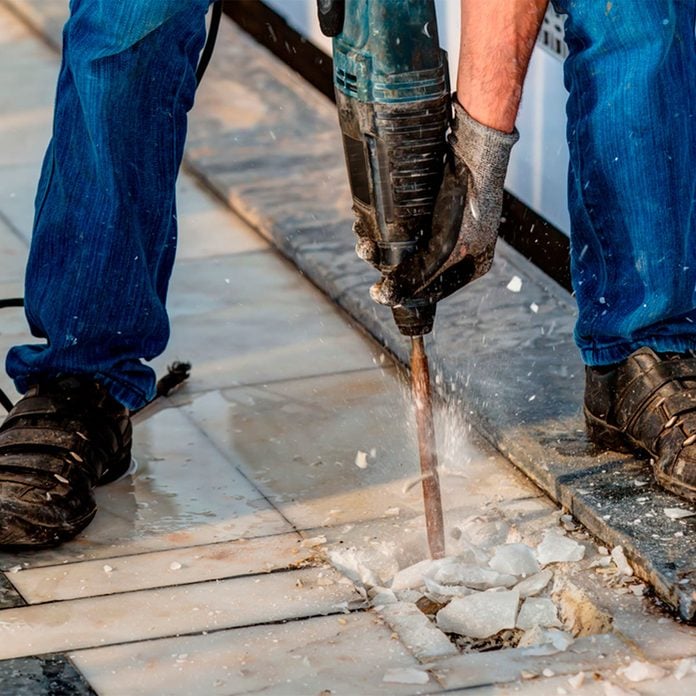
x=346 y=654
x=182 y=609
x=269 y=145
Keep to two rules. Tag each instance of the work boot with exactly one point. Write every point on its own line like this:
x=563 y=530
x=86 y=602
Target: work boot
x=63 y=438
x=648 y=403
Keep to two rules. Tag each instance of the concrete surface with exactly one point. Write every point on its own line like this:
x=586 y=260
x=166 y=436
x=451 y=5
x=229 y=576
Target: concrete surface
x=205 y=570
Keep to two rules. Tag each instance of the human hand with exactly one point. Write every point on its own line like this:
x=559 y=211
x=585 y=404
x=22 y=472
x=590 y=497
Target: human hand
x=465 y=218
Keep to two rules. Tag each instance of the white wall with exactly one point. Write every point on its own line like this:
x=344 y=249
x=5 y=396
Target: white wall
x=539 y=162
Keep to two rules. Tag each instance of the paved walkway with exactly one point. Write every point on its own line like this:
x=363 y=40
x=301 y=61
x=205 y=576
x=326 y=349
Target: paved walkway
x=205 y=571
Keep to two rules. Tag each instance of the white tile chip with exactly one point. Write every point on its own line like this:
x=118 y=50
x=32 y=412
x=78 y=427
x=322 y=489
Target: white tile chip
x=677 y=513
x=684 y=667
x=515 y=284
x=641 y=671
x=473 y=576
x=619 y=558
x=534 y=583
x=577 y=680
x=361 y=459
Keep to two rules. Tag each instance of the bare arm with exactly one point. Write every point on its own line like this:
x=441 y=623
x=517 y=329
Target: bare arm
x=497 y=38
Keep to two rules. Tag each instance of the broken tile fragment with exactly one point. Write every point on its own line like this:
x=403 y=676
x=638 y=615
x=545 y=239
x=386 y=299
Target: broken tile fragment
x=534 y=583
x=417 y=633
x=684 y=667
x=639 y=671
x=621 y=562
x=480 y=615
x=558 y=548
x=553 y=639
x=411 y=577
x=537 y=611
x=472 y=576
x=577 y=680
x=348 y=562
x=514 y=559
x=381 y=596
x=361 y=459
x=444 y=593
x=677 y=513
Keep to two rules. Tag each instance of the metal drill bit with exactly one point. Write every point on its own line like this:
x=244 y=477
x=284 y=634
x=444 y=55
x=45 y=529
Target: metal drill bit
x=422 y=397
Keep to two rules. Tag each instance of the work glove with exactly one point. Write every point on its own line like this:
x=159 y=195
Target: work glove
x=465 y=218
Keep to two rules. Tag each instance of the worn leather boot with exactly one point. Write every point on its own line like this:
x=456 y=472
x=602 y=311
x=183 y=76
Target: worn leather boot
x=63 y=438
x=648 y=403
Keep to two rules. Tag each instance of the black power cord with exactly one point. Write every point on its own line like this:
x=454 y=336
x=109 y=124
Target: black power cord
x=209 y=47
x=179 y=371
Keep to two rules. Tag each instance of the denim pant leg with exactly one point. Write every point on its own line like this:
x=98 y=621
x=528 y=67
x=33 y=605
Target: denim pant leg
x=631 y=77
x=105 y=227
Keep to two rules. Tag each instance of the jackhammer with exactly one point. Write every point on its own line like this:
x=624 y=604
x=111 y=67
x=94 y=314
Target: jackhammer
x=393 y=97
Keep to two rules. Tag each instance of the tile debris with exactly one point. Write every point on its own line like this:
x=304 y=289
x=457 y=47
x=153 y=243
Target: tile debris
x=677 y=513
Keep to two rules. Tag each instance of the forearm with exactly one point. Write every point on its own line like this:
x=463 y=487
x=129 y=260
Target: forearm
x=497 y=38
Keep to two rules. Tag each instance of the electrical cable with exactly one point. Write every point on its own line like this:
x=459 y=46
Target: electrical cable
x=209 y=47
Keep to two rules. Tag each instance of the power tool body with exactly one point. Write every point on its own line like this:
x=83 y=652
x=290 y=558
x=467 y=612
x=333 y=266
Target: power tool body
x=393 y=97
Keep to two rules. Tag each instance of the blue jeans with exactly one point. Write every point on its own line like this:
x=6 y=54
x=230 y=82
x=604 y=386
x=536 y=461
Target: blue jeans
x=631 y=77
x=105 y=228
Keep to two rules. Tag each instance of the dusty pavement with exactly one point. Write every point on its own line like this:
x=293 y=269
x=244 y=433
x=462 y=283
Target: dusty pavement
x=264 y=542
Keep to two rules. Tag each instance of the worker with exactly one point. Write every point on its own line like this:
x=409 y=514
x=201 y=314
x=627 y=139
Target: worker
x=631 y=133
x=105 y=231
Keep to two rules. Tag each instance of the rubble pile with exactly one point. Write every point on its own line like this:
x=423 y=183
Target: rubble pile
x=483 y=599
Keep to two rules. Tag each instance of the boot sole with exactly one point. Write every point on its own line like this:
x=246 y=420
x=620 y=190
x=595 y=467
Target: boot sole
x=610 y=438
x=27 y=535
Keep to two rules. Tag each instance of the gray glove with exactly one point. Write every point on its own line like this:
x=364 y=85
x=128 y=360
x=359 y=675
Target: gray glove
x=465 y=218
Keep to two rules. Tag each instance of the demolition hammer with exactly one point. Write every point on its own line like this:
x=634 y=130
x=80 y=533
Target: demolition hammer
x=392 y=92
